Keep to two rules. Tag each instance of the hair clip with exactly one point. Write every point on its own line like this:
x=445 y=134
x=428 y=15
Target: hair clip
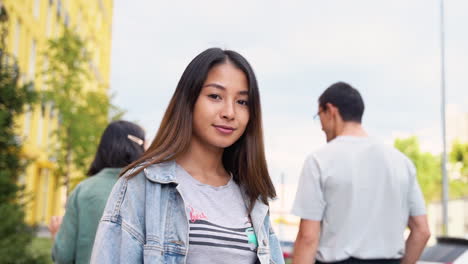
x=139 y=141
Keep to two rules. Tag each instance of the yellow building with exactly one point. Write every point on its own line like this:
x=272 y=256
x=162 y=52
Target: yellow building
x=30 y=24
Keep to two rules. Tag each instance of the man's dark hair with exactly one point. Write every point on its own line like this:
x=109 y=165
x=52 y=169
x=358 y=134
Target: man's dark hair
x=347 y=99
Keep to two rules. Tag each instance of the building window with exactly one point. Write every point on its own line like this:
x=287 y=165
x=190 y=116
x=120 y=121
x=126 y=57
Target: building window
x=50 y=123
x=59 y=8
x=52 y=110
x=78 y=21
x=44 y=174
x=49 y=21
x=57 y=29
x=16 y=46
x=36 y=9
x=27 y=121
x=32 y=61
x=40 y=125
x=98 y=57
x=67 y=20
x=45 y=78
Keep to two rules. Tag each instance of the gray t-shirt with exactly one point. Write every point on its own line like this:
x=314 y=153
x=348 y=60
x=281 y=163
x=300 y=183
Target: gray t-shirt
x=220 y=227
x=363 y=193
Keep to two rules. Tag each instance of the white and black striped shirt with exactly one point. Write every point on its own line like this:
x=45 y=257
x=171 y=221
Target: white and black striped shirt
x=220 y=228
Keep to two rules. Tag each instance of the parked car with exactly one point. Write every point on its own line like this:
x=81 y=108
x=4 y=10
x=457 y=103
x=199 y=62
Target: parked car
x=448 y=250
x=287 y=247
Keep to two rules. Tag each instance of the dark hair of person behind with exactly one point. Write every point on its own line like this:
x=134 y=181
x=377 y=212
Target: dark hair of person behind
x=115 y=149
x=347 y=99
x=245 y=159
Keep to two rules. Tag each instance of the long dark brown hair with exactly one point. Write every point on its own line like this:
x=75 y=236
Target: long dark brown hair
x=245 y=159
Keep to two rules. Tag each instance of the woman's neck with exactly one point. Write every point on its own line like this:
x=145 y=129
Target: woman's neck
x=204 y=164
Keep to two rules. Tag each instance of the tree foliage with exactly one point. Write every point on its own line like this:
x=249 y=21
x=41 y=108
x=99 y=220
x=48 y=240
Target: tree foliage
x=15 y=234
x=429 y=170
x=459 y=154
x=83 y=111
x=427 y=167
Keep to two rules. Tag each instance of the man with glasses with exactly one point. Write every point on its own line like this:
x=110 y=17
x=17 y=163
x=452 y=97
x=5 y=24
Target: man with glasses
x=356 y=196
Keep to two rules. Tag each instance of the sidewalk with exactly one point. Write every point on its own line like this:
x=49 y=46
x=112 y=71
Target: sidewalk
x=43 y=231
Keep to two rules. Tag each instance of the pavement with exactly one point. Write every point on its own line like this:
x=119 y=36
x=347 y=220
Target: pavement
x=43 y=231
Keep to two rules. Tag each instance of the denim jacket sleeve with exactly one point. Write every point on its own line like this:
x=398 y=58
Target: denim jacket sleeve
x=117 y=239
x=276 y=254
x=64 y=247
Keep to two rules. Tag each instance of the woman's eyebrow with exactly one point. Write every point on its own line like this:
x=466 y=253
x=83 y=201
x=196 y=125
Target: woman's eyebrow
x=219 y=86
x=215 y=85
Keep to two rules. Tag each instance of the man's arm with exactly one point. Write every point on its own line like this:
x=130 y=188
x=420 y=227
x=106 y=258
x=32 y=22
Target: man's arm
x=417 y=239
x=307 y=241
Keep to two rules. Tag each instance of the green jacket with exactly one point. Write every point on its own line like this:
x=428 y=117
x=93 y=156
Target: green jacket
x=75 y=238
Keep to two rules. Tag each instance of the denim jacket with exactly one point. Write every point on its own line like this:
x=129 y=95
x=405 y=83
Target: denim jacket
x=145 y=221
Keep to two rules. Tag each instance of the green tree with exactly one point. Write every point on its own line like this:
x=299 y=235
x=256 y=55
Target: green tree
x=427 y=167
x=83 y=113
x=459 y=154
x=429 y=170
x=15 y=234
x=459 y=161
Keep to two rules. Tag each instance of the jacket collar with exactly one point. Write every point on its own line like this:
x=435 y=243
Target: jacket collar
x=162 y=173
x=259 y=211
x=165 y=173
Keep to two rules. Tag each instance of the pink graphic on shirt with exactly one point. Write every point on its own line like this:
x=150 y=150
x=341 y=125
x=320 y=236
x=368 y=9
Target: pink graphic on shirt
x=194 y=215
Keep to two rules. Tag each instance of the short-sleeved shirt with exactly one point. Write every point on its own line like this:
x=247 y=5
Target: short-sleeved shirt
x=363 y=193
x=220 y=226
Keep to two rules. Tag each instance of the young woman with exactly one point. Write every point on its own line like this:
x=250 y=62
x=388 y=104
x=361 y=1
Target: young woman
x=121 y=144
x=200 y=192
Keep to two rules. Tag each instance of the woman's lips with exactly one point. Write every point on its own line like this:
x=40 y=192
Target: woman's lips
x=225 y=129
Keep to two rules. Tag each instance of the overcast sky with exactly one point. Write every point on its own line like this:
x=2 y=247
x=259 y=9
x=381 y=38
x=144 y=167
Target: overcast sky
x=389 y=50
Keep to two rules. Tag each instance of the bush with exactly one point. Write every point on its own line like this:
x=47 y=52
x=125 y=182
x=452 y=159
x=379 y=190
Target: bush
x=15 y=235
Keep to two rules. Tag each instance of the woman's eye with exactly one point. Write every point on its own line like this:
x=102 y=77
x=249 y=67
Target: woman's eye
x=214 y=96
x=243 y=102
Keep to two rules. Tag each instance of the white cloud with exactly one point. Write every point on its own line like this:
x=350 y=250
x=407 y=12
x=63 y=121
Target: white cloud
x=430 y=137
x=288 y=140
x=389 y=50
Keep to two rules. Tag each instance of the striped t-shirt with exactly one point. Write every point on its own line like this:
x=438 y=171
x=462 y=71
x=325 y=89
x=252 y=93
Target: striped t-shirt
x=220 y=227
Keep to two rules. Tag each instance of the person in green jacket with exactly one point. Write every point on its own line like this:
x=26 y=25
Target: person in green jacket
x=121 y=143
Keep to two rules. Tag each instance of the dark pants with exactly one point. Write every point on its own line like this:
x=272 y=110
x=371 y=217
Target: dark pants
x=363 y=261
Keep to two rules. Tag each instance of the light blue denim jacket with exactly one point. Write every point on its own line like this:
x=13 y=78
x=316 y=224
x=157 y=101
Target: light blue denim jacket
x=145 y=221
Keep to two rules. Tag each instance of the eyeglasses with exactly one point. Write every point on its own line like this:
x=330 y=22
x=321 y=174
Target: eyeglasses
x=317 y=115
